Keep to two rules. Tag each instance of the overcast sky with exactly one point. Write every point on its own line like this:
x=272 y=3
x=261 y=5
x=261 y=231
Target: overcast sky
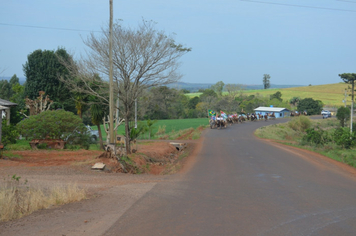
x=297 y=42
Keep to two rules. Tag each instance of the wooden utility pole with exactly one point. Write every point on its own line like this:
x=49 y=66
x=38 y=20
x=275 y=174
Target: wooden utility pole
x=111 y=83
x=352 y=104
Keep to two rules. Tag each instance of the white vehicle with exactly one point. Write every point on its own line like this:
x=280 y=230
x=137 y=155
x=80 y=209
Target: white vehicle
x=326 y=113
x=93 y=133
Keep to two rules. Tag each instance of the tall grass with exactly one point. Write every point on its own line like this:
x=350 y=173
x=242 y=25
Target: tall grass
x=19 y=199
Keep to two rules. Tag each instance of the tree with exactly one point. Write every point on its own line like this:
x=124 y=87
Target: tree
x=343 y=115
x=97 y=114
x=350 y=78
x=5 y=90
x=142 y=58
x=294 y=101
x=193 y=102
x=277 y=95
x=218 y=87
x=233 y=90
x=266 y=83
x=313 y=107
x=42 y=70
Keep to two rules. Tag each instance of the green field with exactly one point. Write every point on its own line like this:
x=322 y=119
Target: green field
x=170 y=126
x=330 y=94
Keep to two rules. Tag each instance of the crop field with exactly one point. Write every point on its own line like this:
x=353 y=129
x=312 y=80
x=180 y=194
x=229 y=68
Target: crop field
x=169 y=126
x=330 y=94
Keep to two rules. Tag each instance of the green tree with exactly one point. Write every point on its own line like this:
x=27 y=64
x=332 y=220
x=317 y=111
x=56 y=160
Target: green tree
x=218 y=87
x=266 y=82
x=97 y=114
x=343 y=115
x=313 y=107
x=294 y=101
x=277 y=95
x=350 y=78
x=5 y=90
x=193 y=102
x=42 y=71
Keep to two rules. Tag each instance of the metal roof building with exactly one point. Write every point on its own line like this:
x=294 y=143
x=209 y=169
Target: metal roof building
x=279 y=112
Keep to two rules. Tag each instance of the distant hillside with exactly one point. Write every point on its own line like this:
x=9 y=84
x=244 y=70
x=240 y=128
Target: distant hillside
x=194 y=87
x=330 y=94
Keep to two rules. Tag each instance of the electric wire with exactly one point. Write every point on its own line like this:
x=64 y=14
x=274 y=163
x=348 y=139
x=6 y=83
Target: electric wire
x=49 y=28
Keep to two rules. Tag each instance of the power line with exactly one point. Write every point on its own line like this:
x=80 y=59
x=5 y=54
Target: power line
x=51 y=28
x=292 y=5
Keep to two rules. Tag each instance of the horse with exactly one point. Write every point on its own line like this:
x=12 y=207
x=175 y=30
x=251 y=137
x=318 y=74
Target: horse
x=220 y=124
x=266 y=117
x=272 y=116
x=212 y=123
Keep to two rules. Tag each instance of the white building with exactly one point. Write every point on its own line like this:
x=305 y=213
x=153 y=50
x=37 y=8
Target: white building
x=279 y=112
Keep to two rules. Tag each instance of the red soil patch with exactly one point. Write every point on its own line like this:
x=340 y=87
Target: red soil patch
x=186 y=136
x=151 y=157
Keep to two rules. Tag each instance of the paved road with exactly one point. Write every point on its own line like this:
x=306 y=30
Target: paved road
x=241 y=185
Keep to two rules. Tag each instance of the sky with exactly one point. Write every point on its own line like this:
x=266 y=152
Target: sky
x=296 y=42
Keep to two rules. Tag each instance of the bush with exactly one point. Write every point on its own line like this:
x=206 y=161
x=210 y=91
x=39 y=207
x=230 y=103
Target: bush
x=343 y=115
x=58 y=124
x=78 y=140
x=300 y=123
x=316 y=136
x=343 y=138
x=9 y=133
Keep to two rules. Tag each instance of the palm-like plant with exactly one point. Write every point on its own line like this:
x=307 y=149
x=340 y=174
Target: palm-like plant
x=97 y=114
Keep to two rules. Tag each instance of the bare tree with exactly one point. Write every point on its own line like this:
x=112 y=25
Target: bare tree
x=233 y=90
x=142 y=58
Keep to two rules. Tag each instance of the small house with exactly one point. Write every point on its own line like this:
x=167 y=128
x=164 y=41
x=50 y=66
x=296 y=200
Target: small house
x=279 y=112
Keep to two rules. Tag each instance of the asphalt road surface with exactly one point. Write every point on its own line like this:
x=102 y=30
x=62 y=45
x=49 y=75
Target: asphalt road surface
x=241 y=185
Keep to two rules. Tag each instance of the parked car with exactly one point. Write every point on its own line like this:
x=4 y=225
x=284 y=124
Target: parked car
x=94 y=134
x=326 y=113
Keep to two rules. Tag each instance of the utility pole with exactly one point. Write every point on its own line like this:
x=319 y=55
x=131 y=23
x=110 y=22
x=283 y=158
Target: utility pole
x=345 y=98
x=352 y=104
x=111 y=79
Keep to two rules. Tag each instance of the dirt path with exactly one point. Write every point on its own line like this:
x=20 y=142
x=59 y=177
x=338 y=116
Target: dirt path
x=111 y=194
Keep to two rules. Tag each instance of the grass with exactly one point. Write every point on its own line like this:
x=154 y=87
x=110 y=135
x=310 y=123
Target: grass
x=18 y=199
x=20 y=145
x=170 y=125
x=285 y=134
x=330 y=94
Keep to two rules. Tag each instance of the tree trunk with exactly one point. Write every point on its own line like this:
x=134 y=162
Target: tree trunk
x=100 y=137
x=127 y=134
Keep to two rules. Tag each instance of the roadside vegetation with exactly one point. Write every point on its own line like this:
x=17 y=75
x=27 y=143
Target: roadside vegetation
x=18 y=198
x=324 y=136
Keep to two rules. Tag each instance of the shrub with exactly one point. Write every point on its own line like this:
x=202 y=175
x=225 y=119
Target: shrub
x=9 y=133
x=343 y=115
x=58 y=124
x=78 y=140
x=343 y=138
x=316 y=136
x=300 y=123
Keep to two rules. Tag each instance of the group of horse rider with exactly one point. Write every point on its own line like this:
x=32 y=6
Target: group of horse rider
x=220 y=120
